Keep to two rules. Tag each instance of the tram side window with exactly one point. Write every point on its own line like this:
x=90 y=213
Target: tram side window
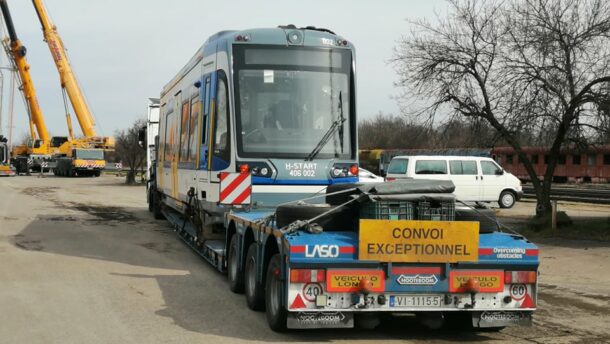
x=222 y=146
x=167 y=149
x=206 y=111
x=195 y=111
x=184 y=156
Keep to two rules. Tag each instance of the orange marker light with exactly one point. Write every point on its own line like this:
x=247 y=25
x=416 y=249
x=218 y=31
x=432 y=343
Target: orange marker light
x=365 y=286
x=353 y=170
x=472 y=285
x=244 y=168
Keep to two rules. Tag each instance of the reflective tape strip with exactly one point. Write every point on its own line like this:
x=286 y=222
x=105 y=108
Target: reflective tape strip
x=235 y=188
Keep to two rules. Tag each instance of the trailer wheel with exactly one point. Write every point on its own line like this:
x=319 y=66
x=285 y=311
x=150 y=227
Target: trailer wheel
x=149 y=196
x=276 y=310
x=255 y=290
x=157 y=206
x=343 y=219
x=486 y=218
x=236 y=279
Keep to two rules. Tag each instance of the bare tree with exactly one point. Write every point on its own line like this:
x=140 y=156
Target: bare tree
x=129 y=151
x=389 y=131
x=532 y=66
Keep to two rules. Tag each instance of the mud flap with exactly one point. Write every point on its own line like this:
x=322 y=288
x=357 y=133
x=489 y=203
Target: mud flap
x=501 y=318
x=310 y=320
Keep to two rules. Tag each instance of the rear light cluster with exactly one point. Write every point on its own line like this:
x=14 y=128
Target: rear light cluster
x=307 y=275
x=344 y=170
x=257 y=169
x=520 y=277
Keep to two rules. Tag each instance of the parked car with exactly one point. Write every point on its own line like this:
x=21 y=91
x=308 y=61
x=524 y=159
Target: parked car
x=477 y=179
x=369 y=177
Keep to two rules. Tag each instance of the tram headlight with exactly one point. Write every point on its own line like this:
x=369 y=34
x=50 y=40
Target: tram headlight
x=342 y=170
x=255 y=168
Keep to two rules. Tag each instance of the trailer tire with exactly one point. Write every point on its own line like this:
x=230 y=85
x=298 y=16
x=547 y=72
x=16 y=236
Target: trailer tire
x=236 y=279
x=342 y=197
x=276 y=312
x=486 y=217
x=255 y=290
x=343 y=219
x=158 y=215
x=149 y=197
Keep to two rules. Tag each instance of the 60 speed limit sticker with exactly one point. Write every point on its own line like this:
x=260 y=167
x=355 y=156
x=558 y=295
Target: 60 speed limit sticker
x=518 y=291
x=311 y=290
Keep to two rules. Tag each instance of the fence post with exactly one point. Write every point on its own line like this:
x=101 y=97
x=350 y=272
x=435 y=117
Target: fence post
x=554 y=215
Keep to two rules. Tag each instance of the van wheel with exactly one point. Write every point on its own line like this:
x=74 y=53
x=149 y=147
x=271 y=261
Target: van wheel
x=507 y=199
x=255 y=291
x=236 y=278
x=276 y=311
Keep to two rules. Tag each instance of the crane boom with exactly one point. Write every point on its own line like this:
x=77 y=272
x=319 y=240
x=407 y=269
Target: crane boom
x=18 y=52
x=66 y=75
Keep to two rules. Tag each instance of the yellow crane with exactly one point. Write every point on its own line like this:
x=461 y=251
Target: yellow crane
x=66 y=155
x=69 y=83
x=5 y=167
x=43 y=147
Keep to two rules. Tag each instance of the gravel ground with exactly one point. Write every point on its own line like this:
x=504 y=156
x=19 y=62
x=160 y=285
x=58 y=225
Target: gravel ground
x=82 y=261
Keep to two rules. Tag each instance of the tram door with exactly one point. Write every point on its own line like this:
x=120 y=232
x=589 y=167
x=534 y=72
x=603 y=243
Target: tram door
x=216 y=140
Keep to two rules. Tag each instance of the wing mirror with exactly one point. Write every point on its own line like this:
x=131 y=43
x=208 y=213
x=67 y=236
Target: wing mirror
x=142 y=137
x=499 y=172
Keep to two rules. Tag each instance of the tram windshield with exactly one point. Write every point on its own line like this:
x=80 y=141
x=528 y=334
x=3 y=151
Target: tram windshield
x=288 y=98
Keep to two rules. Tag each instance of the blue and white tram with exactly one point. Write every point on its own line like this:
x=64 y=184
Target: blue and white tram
x=278 y=103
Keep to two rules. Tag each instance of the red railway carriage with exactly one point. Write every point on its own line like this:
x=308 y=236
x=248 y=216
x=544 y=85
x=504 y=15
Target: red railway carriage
x=574 y=165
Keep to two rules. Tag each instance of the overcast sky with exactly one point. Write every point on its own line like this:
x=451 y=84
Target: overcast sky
x=124 y=51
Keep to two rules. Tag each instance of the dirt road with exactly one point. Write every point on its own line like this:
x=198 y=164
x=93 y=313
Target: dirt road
x=82 y=261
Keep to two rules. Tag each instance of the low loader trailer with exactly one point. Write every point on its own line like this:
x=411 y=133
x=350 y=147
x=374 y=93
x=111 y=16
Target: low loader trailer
x=255 y=166
x=390 y=248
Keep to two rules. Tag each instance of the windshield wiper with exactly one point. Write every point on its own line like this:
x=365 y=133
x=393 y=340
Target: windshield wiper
x=330 y=132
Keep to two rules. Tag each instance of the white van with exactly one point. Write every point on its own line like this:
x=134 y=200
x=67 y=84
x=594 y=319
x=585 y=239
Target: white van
x=475 y=178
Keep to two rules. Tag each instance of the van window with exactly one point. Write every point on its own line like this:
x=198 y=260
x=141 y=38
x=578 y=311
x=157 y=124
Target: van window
x=398 y=166
x=469 y=167
x=431 y=167
x=466 y=167
x=489 y=168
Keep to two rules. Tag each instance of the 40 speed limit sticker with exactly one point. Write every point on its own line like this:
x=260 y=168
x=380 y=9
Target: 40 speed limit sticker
x=311 y=290
x=518 y=291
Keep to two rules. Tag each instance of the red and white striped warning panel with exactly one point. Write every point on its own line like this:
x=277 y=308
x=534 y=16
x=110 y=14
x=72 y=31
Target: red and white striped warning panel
x=235 y=188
